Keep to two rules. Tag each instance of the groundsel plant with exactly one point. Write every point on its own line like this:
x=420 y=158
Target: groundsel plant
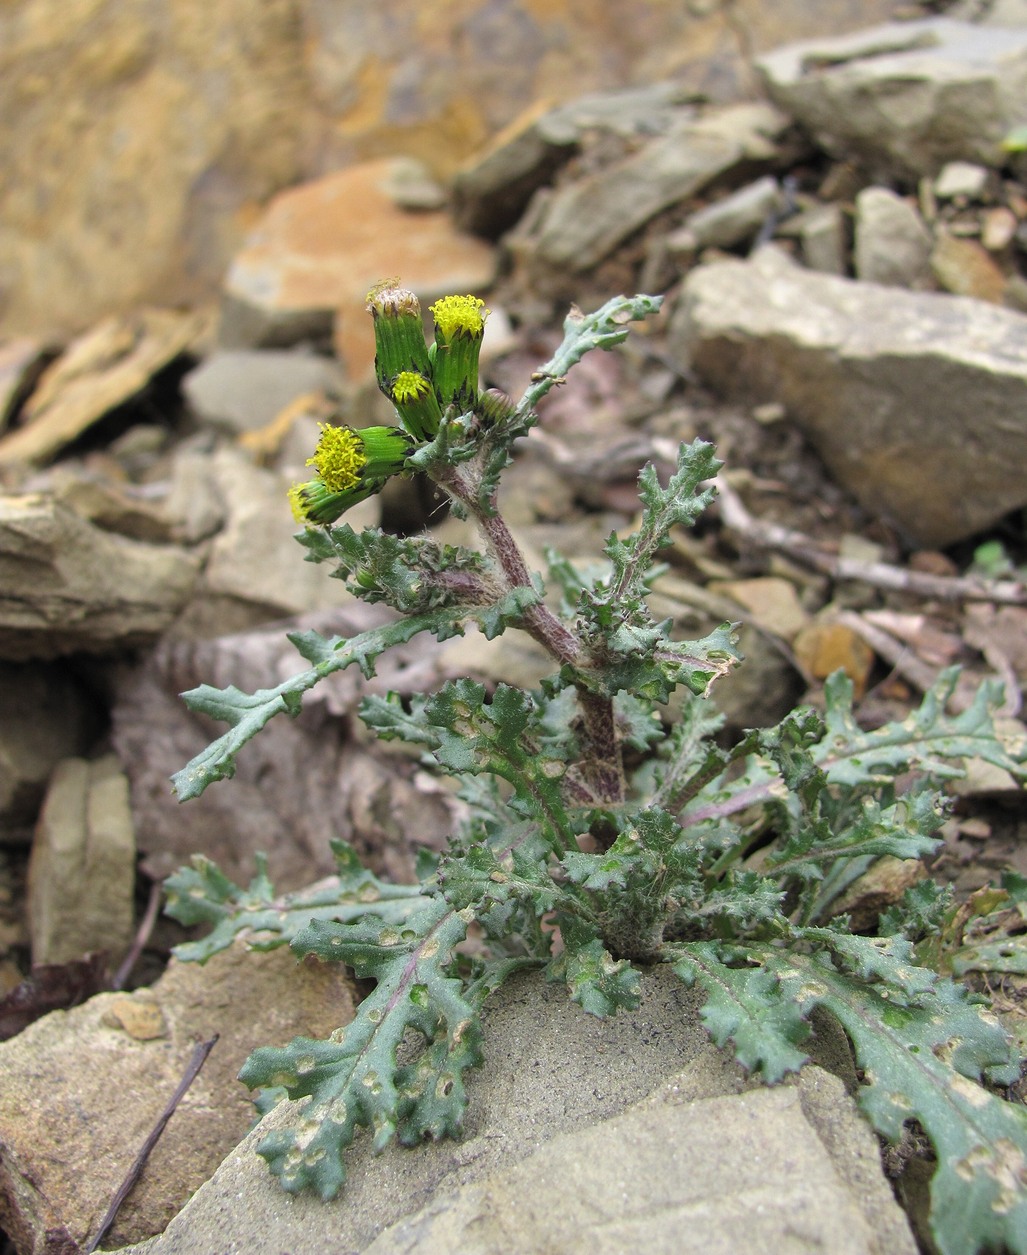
x=604 y=837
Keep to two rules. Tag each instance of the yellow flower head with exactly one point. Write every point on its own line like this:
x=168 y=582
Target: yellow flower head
x=416 y=403
x=459 y=316
x=339 y=457
x=459 y=328
x=350 y=465
x=314 y=502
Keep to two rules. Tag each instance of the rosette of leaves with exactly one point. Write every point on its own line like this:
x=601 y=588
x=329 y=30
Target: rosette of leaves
x=634 y=839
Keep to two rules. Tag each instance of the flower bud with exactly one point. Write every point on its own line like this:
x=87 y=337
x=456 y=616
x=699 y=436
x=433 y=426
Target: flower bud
x=398 y=332
x=459 y=329
x=315 y=503
x=416 y=403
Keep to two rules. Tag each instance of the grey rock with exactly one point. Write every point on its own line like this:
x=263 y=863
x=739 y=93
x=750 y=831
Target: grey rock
x=254 y=570
x=732 y=220
x=493 y=189
x=244 y=390
x=716 y=1176
x=998 y=13
x=915 y=400
x=824 y=239
x=568 y=1117
x=892 y=242
x=586 y=220
x=68 y=586
x=82 y=868
x=411 y=185
x=80 y=1090
x=964 y=180
x=45 y=715
x=905 y=98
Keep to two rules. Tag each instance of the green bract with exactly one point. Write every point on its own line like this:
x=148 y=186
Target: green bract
x=640 y=839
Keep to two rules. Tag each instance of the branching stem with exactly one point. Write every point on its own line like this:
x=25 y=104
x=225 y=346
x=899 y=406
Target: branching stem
x=603 y=767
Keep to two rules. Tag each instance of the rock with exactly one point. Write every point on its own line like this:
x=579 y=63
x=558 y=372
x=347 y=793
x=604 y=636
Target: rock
x=824 y=239
x=82 y=868
x=964 y=181
x=45 y=715
x=966 y=268
x=125 y=509
x=645 y=1117
x=244 y=390
x=309 y=263
x=80 y=1090
x=411 y=185
x=998 y=228
x=129 y=171
x=101 y=370
x=21 y=362
x=491 y=191
x=888 y=385
x=892 y=242
x=254 y=569
x=586 y=220
x=732 y=220
x=387 y=81
x=69 y=587
x=772 y=602
x=824 y=647
x=905 y=98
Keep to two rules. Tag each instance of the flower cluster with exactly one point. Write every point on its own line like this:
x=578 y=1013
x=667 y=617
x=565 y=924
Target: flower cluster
x=422 y=382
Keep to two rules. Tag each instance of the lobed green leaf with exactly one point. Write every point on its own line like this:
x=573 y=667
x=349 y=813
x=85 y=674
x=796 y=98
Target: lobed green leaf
x=202 y=894
x=355 y=1079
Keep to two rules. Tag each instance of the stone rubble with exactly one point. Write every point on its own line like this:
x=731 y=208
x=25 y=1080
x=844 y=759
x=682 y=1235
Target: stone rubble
x=904 y=98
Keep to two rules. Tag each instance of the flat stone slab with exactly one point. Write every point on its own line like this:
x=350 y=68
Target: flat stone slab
x=916 y=401
x=906 y=97
x=584 y=1135
x=67 y=586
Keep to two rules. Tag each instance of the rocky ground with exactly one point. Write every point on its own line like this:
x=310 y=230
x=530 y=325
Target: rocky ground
x=845 y=269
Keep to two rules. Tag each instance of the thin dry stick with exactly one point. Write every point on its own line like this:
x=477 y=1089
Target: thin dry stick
x=769 y=535
x=141 y=938
x=199 y=1056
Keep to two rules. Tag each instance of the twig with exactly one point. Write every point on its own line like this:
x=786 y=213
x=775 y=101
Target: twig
x=141 y=938
x=199 y=1056
x=769 y=535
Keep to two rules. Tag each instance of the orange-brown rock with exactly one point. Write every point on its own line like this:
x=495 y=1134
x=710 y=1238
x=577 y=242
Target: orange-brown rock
x=318 y=249
x=823 y=648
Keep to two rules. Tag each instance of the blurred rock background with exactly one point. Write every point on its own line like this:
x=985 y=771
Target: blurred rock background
x=142 y=138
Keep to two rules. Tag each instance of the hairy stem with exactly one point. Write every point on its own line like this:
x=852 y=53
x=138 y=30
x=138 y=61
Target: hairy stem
x=603 y=768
